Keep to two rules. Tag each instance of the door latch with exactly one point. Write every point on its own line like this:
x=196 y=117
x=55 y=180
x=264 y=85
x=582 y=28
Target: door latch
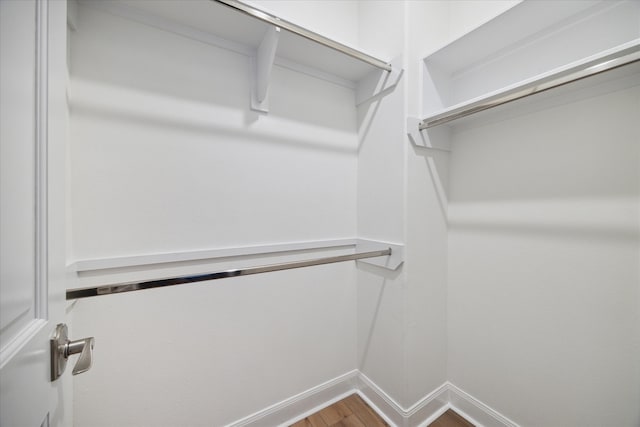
x=62 y=348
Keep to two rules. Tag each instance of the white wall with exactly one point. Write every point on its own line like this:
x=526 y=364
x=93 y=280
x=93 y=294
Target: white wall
x=429 y=26
x=543 y=263
x=381 y=311
x=336 y=19
x=426 y=221
x=166 y=156
x=537 y=219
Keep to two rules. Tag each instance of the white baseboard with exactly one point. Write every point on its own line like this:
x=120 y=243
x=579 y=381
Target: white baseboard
x=381 y=402
x=303 y=404
x=475 y=411
x=420 y=414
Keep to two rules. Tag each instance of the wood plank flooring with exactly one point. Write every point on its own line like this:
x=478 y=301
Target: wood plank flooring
x=352 y=411
x=348 y=412
x=450 y=419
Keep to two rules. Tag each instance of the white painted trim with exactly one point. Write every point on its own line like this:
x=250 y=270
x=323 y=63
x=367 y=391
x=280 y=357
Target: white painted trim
x=168 y=257
x=303 y=404
x=475 y=411
x=41 y=164
x=387 y=407
x=430 y=407
x=435 y=415
x=377 y=409
x=318 y=408
x=420 y=414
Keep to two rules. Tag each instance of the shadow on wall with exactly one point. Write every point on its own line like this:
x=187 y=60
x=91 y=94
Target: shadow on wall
x=544 y=257
x=572 y=170
x=129 y=56
x=153 y=111
x=379 y=300
x=437 y=162
x=368 y=110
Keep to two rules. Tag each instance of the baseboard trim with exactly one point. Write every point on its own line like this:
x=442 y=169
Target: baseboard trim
x=421 y=414
x=416 y=415
x=297 y=407
x=381 y=402
x=475 y=411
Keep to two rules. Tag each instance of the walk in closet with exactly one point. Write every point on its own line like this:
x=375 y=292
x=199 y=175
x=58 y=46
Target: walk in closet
x=258 y=208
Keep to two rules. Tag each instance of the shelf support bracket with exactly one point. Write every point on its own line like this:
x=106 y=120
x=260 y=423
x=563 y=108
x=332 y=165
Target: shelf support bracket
x=436 y=138
x=378 y=82
x=391 y=262
x=262 y=65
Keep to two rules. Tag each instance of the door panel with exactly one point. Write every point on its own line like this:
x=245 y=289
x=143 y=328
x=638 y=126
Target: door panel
x=32 y=146
x=18 y=278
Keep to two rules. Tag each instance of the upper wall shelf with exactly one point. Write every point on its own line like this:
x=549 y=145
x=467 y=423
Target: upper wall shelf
x=266 y=38
x=610 y=60
x=530 y=48
x=308 y=34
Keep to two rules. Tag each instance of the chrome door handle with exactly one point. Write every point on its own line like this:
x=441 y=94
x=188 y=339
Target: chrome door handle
x=62 y=348
x=85 y=348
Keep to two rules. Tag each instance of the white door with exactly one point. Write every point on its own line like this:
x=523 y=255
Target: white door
x=32 y=226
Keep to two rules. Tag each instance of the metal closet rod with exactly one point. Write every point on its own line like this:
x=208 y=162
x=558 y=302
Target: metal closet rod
x=181 y=280
x=591 y=68
x=301 y=31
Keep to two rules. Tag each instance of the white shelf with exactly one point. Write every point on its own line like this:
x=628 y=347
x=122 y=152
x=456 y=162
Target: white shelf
x=287 y=45
x=619 y=62
x=281 y=249
x=529 y=45
x=216 y=23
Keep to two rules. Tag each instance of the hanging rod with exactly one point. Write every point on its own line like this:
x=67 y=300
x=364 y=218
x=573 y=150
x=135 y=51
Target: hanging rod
x=181 y=280
x=572 y=74
x=308 y=34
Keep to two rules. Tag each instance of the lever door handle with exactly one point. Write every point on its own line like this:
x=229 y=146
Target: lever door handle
x=62 y=348
x=85 y=348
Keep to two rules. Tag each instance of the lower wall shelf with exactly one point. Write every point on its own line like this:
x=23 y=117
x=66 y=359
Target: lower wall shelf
x=380 y=254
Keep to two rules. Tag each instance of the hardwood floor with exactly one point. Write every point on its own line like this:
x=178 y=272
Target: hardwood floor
x=450 y=419
x=348 y=412
x=354 y=412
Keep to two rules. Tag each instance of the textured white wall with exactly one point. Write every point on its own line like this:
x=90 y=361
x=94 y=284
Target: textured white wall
x=543 y=308
x=166 y=156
